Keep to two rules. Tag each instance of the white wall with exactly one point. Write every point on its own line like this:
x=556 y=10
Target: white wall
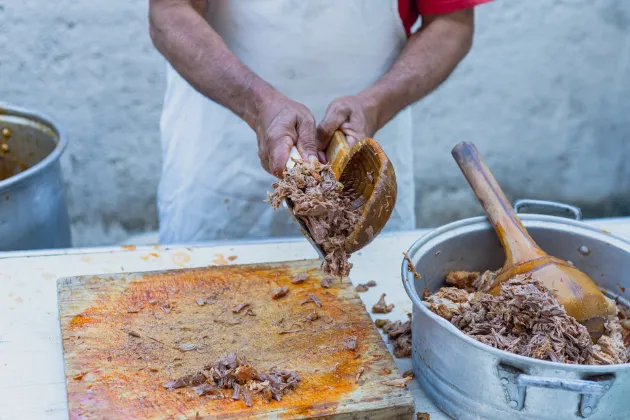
x=545 y=95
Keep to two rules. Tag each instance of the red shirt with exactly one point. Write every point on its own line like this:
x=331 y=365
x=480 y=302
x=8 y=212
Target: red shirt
x=410 y=10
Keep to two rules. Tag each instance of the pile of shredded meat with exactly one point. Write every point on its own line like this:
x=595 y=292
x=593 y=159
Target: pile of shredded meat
x=233 y=373
x=318 y=200
x=524 y=319
x=399 y=334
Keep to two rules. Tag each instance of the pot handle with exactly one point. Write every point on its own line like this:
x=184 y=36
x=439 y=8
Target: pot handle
x=549 y=206
x=515 y=383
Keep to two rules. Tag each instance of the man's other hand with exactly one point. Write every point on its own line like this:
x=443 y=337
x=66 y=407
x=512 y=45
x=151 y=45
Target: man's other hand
x=281 y=124
x=355 y=116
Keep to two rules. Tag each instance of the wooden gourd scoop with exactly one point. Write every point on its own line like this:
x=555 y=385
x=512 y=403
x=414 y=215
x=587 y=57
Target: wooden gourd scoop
x=368 y=178
x=577 y=292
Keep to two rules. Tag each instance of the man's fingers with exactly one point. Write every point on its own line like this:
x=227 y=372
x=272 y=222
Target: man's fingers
x=264 y=160
x=306 y=145
x=336 y=114
x=279 y=155
x=352 y=134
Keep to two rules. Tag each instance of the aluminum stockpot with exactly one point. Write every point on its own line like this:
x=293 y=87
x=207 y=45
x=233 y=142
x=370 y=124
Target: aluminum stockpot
x=33 y=209
x=470 y=380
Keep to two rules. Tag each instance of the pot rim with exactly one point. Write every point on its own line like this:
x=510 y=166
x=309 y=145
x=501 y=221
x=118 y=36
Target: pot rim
x=53 y=156
x=502 y=355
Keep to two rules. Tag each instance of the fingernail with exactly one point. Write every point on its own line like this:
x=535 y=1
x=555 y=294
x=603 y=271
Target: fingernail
x=313 y=158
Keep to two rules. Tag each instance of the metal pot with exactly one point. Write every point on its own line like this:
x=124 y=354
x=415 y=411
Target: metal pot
x=470 y=380
x=33 y=210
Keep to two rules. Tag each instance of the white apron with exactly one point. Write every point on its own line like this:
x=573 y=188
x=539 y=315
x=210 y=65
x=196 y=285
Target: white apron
x=212 y=184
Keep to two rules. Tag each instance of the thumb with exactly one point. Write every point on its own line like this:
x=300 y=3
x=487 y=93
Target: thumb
x=335 y=116
x=306 y=145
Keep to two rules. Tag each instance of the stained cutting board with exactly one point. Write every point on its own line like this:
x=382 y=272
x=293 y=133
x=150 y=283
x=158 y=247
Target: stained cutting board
x=122 y=335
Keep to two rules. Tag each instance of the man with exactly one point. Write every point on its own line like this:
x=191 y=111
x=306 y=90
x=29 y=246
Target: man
x=288 y=72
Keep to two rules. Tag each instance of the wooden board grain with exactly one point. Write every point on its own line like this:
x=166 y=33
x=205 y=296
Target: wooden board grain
x=121 y=336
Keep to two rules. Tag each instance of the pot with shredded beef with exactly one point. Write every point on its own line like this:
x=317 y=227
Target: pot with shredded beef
x=524 y=319
x=318 y=200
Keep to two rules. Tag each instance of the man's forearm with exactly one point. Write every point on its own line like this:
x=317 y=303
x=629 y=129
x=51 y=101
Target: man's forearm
x=199 y=54
x=430 y=55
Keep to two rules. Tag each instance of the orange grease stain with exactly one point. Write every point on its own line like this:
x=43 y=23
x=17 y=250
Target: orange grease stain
x=219 y=259
x=129 y=247
x=180 y=259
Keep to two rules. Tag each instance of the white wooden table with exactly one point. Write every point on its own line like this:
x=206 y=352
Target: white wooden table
x=32 y=382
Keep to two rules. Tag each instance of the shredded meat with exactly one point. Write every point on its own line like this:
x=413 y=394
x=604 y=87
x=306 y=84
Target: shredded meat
x=399 y=334
x=524 y=319
x=280 y=292
x=381 y=307
x=233 y=373
x=318 y=200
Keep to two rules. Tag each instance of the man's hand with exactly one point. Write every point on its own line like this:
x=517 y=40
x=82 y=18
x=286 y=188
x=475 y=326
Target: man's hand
x=356 y=116
x=428 y=58
x=199 y=54
x=281 y=124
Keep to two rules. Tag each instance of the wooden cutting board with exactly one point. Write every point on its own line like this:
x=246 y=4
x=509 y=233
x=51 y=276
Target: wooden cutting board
x=122 y=336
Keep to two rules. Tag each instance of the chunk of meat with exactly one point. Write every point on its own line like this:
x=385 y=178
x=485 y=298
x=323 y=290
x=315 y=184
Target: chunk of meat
x=381 y=307
x=361 y=288
x=312 y=316
x=400 y=382
x=238 y=308
x=193 y=379
x=280 y=292
x=350 y=343
x=300 y=278
x=312 y=298
x=326 y=282
x=399 y=335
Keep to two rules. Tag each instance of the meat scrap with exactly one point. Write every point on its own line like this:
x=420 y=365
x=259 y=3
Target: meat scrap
x=410 y=266
x=193 y=379
x=381 y=307
x=234 y=373
x=300 y=278
x=238 y=308
x=361 y=288
x=471 y=281
x=350 y=343
x=400 y=382
x=319 y=201
x=280 y=292
x=524 y=319
x=326 y=282
x=359 y=373
x=365 y=287
x=423 y=416
x=312 y=316
x=312 y=298
x=399 y=335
